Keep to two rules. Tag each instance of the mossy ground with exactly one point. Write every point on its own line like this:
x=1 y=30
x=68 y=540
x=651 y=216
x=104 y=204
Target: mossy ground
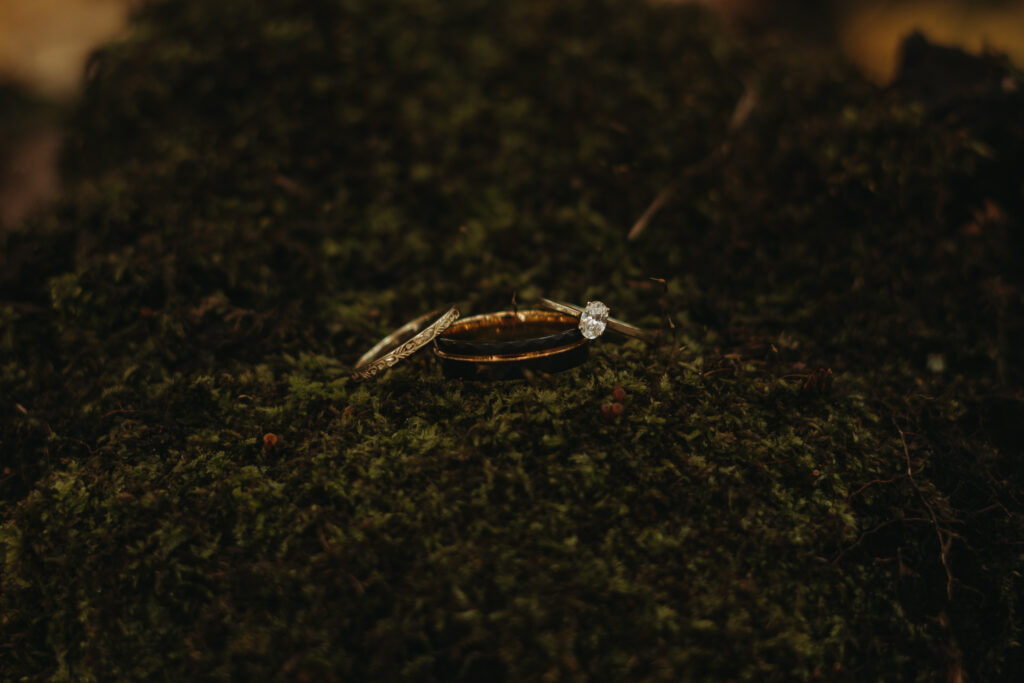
x=259 y=190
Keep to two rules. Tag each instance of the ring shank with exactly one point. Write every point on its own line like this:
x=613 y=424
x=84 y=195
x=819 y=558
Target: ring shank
x=403 y=342
x=613 y=323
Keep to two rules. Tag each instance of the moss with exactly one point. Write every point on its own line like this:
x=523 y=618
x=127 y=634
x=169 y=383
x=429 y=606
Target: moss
x=258 y=191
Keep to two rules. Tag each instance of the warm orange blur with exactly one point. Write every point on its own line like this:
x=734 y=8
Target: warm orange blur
x=871 y=32
x=44 y=43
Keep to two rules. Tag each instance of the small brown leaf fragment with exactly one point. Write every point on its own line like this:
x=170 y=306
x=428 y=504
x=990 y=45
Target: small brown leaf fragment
x=818 y=382
x=989 y=214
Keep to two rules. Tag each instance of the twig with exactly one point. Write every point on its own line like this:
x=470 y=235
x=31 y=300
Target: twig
x=994 y=506
x=695 y=169
x=944 y=543
x=83 y=445
x=118 y=411
x=741 y=112
x=870 y=483
x=654 y=208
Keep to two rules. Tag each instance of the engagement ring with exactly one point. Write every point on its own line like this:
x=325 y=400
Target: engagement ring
x=593 y=319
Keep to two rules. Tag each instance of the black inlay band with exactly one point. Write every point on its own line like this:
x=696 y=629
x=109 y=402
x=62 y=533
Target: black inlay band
x=465 y=347
x=509 y=333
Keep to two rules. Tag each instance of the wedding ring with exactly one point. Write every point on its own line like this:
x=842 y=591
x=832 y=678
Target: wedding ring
x=593 y=319
x=508 y=334
x=403 y=342
x=502 y=345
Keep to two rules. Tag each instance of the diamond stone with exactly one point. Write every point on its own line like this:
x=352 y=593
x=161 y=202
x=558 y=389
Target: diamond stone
x=594 y=319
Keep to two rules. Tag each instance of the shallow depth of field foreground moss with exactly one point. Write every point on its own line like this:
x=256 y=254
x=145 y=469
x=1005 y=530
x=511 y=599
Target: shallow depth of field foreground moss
x=259 y=190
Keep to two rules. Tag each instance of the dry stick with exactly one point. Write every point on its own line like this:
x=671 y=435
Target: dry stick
x=943 y=544
x=695 y=169
x=870 y=483
x=740 y=113
x=654 y=208
x=665 y=317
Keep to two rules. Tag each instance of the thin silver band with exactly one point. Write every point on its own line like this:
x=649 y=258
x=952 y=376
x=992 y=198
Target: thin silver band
x=613 y=323
x=403 y=342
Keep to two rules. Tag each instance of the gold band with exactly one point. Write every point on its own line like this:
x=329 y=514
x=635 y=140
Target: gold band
x=403 y=342
x=503 y=345
x=509 y=336
x=509 y=358
x=613 y=323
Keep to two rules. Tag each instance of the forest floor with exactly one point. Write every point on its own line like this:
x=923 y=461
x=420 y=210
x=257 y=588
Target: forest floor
x=817 y=471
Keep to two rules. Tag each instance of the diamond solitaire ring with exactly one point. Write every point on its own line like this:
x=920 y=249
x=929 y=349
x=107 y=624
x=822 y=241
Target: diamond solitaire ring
x=403 y=342
x=594 y=319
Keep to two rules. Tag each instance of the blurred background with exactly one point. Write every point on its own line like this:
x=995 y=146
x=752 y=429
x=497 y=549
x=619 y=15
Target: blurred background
x=44 y=45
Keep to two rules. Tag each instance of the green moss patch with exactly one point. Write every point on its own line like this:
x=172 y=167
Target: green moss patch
x=817 y=474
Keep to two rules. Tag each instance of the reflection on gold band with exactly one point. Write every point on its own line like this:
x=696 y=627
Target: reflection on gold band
x=509 y=337
x=509 y=358
x=508 y=325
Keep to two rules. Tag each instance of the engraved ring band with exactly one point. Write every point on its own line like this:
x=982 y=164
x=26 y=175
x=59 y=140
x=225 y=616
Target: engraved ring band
x=403 y=342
